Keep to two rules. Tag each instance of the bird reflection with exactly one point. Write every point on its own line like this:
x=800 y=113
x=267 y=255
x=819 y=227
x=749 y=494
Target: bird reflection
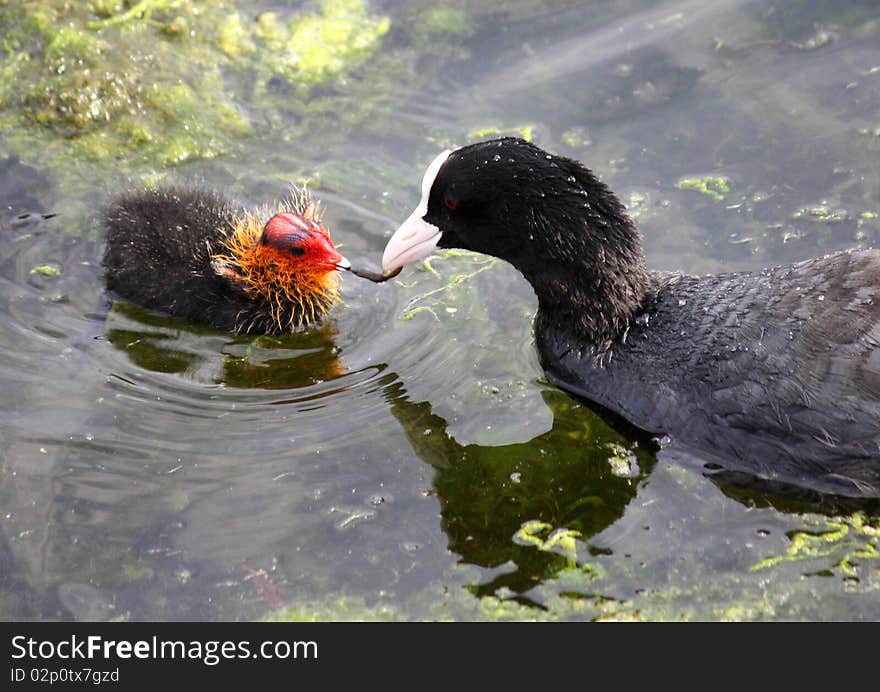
x=170 y=345
x=580 y=476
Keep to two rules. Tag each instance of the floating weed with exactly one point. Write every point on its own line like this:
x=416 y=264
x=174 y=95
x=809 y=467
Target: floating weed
x=409 y=314
x=152 y=82
x=576 y=138
x=622 y=461
x=235 y=38
x=855 y=536
x=869 y=218
x=526 y=132
x=529 y=533
x=637 y=205
x=316 y=47
x=713 y=186
x=427 y=266
x=136 y=572
x=561 y=541
x=440 y=28
x=334 y=608
x=818 y=40
x=821 y=214
x=46 y=270
x=746 y=612
x=139 y=11
x=434 y=295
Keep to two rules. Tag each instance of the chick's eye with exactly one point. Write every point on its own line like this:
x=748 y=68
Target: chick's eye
x=450 y=202
x=297 y=250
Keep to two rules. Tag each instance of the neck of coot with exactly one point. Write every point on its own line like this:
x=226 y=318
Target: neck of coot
x=589 y=271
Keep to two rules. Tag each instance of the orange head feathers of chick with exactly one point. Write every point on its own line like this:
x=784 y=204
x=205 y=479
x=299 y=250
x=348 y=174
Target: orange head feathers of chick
x=289 y=264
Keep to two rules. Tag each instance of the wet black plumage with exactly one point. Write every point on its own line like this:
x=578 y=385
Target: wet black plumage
x=158 y=253
x=161 y=252
x=773 y=373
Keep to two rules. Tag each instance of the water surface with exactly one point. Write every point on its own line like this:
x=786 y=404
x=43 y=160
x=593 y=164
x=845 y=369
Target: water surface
x=407 y=459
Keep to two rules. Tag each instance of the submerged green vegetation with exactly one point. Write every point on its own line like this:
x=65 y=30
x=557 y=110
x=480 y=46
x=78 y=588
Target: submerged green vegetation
x=712 y=185
x=160 y=82
x=853 y=541
x=841 y=549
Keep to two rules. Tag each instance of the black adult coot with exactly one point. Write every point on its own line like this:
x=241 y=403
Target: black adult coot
x=773 y=373
x=189 y=252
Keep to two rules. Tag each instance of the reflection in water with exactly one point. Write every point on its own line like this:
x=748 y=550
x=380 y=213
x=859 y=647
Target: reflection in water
x=286 y=361
x=757 y=492
x=580 y=475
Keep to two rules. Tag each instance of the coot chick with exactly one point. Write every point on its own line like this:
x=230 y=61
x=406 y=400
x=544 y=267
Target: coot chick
x=190 y=252
x=775 y=374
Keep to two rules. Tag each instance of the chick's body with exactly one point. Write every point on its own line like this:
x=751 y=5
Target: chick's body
x=189 y=252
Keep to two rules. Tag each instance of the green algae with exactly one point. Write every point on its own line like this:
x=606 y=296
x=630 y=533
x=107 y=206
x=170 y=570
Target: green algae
x=136 y=572
x=853 y=538
x=335 y=608
x=591 y=590
x=447 y=296
x=46 y=270
x=235 y=38
x=441 y=30
x=329 y=44
x=713 y=186
x=622 y=461
x=600 y=589
x=443 y=19
x=637 y=205
x=118 y=84
x=544 y=537
x=161 y=82
x=140 y=11
x=526 y=132
x=822 y=214
x=576 y=138
x=316 y=47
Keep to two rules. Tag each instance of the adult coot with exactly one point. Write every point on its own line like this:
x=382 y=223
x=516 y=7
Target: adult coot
x=190 y=252
x=773 y=373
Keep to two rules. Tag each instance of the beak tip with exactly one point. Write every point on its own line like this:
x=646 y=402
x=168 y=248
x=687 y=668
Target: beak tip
x=388 y=264
x=406 y=247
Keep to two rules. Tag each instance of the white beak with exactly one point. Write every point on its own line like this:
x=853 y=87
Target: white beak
x=343 y=264
x=416 y=238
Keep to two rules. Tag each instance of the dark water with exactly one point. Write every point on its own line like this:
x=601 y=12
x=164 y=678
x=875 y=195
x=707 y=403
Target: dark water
x=407 y=460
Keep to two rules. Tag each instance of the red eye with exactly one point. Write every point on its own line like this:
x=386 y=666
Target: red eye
x=450 y=202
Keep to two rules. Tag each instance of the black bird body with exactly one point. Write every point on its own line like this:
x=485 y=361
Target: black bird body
x=162 y=250
x=774 y=373
x=158 y=253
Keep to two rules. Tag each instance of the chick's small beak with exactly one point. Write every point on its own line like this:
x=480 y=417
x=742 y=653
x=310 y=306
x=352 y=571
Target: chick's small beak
x=330 y=255
x=337 y=261
x=415 y=239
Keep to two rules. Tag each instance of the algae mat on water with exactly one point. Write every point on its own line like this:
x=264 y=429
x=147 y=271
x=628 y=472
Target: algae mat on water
x=160 y=82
